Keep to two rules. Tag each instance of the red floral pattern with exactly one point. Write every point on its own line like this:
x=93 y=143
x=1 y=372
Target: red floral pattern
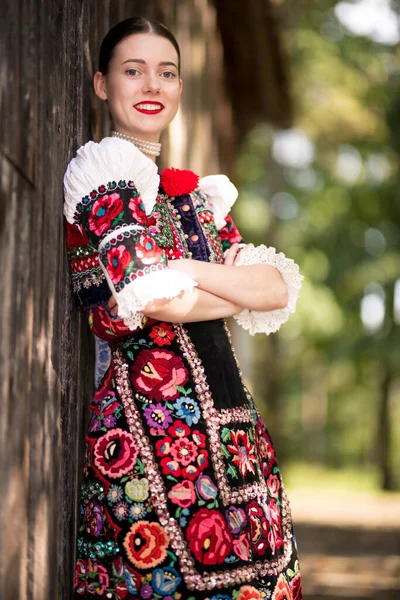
x=157 y=373
x=146 y=544
x=162 y=335
x=118 y=259
x=243 y=452
x=147 y=250
x=183 y=452
x=115 y=453
x=104 y=210
x=282 y=590
x=208 y=537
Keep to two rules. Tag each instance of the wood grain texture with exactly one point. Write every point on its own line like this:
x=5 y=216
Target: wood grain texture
x=48 y=54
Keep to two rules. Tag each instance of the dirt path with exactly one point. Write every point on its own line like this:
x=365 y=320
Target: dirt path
x=349 y=544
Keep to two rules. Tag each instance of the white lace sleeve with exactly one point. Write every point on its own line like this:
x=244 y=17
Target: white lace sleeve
x=222 y=195
x=270 y=321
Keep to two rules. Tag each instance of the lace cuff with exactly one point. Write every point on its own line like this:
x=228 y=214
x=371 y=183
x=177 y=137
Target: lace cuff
x=156 y=285
x=270 y=321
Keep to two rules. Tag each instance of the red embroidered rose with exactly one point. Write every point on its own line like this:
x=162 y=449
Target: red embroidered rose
x=282 y=590
x=182 y=494
x=137 y=209
x=177 y=182
x=264 y=448
x=157 y=373
x=273 y=485
x=230 y=233
x=248 y=592
x=162 y=335
x=208 y=537
x=115 y=453
x=147 y=250
x=146 y=544
x=104 y=210
x=118 y=259
x=297 y=587
x=243 y=452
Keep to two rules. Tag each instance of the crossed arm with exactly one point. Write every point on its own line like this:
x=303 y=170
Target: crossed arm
x=222 y=291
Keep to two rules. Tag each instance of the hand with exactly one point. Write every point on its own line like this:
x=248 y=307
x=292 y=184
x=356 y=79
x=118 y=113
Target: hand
x=232 y=256
x=113 y=306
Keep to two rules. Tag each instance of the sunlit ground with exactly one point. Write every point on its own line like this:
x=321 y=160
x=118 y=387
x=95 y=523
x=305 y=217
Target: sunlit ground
x=348 y=533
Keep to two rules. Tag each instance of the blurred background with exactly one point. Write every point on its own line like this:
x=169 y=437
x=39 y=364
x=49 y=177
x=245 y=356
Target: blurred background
x=299 y=103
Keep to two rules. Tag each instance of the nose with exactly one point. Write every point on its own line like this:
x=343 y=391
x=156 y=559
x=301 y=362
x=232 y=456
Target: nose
x=151 y=83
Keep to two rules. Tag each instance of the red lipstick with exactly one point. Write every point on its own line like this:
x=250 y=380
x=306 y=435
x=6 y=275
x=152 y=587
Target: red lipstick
x=149 y=107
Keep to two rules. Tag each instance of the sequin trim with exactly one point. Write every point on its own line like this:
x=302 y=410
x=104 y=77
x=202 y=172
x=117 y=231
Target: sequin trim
x=194 y=579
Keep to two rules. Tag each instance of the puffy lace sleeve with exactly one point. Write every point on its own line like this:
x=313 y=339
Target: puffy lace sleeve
x=270 y=321
x=221 y=194
x=109 y=189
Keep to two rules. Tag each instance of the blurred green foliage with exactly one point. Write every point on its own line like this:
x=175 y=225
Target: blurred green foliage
x=326 y=194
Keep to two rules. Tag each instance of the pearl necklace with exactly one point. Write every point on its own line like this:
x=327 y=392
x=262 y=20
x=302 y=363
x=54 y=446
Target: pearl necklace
x=151 y=148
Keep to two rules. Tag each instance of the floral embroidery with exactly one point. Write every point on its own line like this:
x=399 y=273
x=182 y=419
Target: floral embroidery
x=146 y=544
x=147 y=250
x=182 y=494
x=106 y=209
x=158 y=416
x=208 y=537
x=185 y=456
x=162 y=335
x=248 y=592
x=115 y=453
x=187 y=409
x=158 y=372
x=282 y=590
x=118 y=259
x=137 y=489
x=137 y=209
x=243 y=451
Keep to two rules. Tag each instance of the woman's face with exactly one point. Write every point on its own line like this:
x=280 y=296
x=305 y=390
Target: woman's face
x=142 y=85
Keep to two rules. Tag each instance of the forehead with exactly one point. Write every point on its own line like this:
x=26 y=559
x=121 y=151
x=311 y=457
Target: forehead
x=147 y=46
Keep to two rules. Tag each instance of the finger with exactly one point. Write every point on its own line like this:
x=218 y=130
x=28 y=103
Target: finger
x=231 y=254
x=246 y=247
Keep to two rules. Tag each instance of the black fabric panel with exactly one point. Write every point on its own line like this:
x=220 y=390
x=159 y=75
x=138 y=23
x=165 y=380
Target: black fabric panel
x=214 y=350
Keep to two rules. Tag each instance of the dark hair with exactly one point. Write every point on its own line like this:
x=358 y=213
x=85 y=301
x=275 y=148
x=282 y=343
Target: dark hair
x=129 y=27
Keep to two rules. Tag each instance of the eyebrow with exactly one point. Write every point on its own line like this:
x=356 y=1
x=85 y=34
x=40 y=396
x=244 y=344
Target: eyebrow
x=143 y=62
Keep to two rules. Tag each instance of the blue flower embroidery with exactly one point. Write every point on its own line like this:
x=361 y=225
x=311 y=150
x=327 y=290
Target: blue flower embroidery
x=187 y=409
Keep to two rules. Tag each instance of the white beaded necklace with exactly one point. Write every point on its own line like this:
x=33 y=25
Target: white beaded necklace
x=151 y=148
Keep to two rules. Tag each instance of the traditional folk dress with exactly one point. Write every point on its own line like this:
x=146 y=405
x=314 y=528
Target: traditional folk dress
x=182 y=497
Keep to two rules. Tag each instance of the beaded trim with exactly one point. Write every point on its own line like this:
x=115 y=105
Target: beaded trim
x=194 y=579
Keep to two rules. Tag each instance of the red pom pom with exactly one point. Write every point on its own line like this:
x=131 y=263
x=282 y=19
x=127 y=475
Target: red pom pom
x=177 y=182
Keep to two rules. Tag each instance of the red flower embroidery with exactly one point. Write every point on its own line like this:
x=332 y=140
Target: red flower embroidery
x=297 y=587
x=230 y=233
x=104 y=210
x=208 y=537
x=282 y=590
x=147 y=250
x=115 y=453
x=98 y=578
x=186 y=455
x=248 y=592
x=146 y=544
x=118 y=259
x=76 y=236
x=264 y=448
x=158 y=372
x=177 y=182
x=162 y=335
x=137 y=209
x=243 y=452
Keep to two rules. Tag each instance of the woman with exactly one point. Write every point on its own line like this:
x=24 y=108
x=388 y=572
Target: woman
x=182 y=497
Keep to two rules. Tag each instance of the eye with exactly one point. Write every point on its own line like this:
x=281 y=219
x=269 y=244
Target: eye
x=169 y=74
x=132 y=72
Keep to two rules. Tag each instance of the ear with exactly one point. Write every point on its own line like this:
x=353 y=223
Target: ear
x=99 y=84
x=180 y=85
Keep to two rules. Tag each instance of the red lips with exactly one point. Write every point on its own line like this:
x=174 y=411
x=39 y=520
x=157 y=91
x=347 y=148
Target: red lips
x=147 y=111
